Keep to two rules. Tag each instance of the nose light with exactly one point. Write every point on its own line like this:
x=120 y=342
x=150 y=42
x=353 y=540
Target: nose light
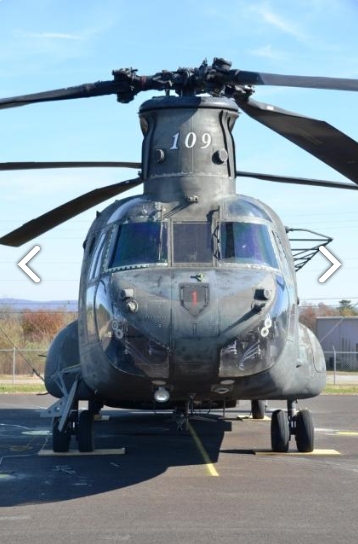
x=260 y=299
x=262 y=294
x=161 y=394
x=132 y=306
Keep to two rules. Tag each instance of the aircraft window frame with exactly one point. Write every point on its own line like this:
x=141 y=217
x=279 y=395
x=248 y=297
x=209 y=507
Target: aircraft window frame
x=176 y=225
x=271 y=259
x=282 y=256
x=97 y=257
x=113 y=244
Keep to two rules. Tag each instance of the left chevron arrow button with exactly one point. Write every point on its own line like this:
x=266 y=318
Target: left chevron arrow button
x=23 y=264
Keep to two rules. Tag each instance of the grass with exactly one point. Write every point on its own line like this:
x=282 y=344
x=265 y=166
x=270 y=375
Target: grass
x=39 y=387
x=331 y=389
x=25 y=388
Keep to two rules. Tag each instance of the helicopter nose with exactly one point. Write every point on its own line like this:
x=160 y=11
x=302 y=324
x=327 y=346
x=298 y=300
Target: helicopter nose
x=215 y=312
x=258 y=338
x=195 y=305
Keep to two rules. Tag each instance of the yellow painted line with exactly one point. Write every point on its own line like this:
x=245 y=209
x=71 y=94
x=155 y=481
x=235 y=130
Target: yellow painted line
x=249 y=417
x=73 y=453
x=291 y=453
x=347 y=433
x=210 y=467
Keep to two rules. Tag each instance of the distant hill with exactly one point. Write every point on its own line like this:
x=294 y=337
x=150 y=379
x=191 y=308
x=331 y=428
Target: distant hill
x=22 y=304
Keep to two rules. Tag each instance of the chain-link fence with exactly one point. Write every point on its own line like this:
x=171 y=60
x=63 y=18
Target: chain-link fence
x=19 y=365
x=342 y=367
x=346 y=361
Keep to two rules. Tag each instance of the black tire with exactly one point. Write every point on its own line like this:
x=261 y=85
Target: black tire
x=60 y=439
x=280 y=431
x=258 y=409
x=304 y=431
x=85 y=431
x=95 y=406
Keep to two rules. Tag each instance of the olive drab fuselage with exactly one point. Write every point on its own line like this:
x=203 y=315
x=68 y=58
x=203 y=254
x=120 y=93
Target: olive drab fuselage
x=189 y=286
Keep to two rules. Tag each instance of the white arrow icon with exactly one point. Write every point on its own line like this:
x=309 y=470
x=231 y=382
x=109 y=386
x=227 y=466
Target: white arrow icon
x=335 y=264
x=23 y=264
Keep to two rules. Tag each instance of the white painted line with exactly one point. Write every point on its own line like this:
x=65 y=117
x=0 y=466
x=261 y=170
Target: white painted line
x=76 y=453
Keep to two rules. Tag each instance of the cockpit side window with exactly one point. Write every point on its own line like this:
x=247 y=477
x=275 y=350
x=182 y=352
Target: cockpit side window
x=141 y=243
x=246 y=243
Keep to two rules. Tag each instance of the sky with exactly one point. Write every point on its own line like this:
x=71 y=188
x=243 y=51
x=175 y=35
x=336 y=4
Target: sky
x=48 y=44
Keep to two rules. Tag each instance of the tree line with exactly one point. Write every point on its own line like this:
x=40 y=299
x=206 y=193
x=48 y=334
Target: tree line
x=30 y=332
x=309 y=314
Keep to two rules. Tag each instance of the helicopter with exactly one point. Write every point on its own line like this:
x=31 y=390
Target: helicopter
x=188 y=294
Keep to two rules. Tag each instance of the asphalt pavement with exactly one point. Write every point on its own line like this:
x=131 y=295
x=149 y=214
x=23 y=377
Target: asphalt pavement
x=147 y=482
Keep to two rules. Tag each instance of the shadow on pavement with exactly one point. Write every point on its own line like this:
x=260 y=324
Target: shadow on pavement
x=152 y=443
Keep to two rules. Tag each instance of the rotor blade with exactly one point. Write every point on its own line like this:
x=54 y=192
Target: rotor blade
x=317 y=137
x=280 y=80
x=100 y=88
x=297 y=181
x=76 y=164
x=66 y=211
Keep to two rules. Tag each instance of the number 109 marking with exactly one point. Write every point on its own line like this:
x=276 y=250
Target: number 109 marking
x=191 y=139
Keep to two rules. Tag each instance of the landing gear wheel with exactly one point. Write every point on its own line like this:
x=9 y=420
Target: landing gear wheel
x=258 y=409
x=85 y=432
x=280 y=431
x=304 y=431
x=60 y=439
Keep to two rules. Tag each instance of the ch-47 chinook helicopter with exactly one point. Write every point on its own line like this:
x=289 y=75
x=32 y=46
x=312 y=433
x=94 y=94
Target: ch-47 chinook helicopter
x=188 y=292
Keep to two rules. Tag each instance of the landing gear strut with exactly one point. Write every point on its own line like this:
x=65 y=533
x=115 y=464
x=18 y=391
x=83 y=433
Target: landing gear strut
x=181 y=417
x=298 y=424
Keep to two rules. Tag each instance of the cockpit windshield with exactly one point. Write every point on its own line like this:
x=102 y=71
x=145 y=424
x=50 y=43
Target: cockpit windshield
x=192 y=242
x=140 y=243
x=145 y=243
x=244 y=243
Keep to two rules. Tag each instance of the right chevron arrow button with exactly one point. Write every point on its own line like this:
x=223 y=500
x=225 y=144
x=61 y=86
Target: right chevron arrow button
x=335 y=264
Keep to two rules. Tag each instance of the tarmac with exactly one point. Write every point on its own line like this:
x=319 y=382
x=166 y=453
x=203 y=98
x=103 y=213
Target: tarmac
x=147 y=482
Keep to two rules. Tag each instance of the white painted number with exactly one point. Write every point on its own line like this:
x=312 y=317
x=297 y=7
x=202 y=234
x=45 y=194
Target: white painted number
x=191 y=139
x=175 y=141
x=206 y=139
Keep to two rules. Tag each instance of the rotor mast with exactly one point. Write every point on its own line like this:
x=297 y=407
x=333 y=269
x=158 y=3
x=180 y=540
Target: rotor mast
x=188 y=150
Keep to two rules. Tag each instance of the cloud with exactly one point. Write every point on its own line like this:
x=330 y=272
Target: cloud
x=53 y=36
x=268 y=52
x=277 y=21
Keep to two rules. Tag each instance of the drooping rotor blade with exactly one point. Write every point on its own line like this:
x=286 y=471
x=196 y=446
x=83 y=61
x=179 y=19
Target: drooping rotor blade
x=125 y=84
x=87 y=90
x=317 y=137
x=66 y=211
x=81 y=91
x=281 y=80
x=297 y=181
x=9 y=166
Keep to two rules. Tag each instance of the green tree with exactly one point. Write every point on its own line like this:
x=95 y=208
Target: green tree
x=346 y=308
